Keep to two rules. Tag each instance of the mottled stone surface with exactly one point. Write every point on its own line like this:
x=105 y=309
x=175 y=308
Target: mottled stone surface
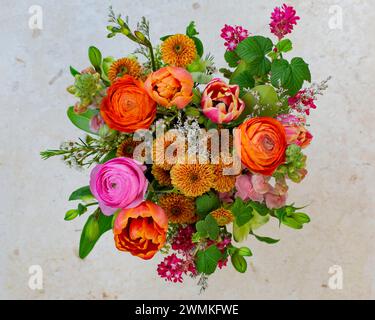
x=339 y=188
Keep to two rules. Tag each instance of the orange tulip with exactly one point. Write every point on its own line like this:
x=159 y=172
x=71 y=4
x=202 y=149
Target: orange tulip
x=263 y=142
x=170 y=86
x=127 y=106
x=141 y=230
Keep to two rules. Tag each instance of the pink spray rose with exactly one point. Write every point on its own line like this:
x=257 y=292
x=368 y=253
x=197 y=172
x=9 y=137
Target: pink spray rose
x=118 y=184
x=274 y=200
x=245 y=189
x=295 y=129
x=220 y=101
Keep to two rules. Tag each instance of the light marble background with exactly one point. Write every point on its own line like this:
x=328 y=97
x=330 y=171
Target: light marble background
x=339 y=188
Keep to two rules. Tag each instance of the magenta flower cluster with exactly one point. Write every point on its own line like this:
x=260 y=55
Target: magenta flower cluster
x=233 y=35
x=282 y=20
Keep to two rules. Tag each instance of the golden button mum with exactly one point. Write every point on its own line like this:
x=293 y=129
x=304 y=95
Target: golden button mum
x=222 y=216
x=122 y=67
x=178 y=50
x=193 y=179
x=178 y=208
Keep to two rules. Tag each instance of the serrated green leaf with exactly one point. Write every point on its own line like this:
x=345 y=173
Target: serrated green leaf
x=244 y=79
x=231 y=58
x=208 y=259
x=206 y=203
x=239 y=263
x=81 y=121
x=254 y=51
x=83 y=193
x=290 y=76
x=241 y=211
x=208 y=228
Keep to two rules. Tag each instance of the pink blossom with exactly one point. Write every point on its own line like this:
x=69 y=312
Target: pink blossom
x=296 y=132
x=96 y=122
x=182 y=241
x=171 y=268
x=245 y=189
x=274 y=200
x=303 y=101
x=260 y=183
x=233 y=35
x=282 y=20
x=226 y=197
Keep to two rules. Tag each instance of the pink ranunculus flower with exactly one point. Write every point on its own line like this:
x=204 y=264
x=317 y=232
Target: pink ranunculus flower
x=295 y=129
x=220 y=101
x=245 y=189
x=118 y=184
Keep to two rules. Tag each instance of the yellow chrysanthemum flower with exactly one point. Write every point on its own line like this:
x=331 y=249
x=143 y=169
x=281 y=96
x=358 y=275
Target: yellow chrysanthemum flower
x=178 y=50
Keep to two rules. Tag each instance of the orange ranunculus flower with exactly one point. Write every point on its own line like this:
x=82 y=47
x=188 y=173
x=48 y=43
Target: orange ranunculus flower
x=127 y=106
x=141 y=230
x=170 y=86
x=263 y=143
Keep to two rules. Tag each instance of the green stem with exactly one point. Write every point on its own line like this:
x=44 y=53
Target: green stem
x=152 y=58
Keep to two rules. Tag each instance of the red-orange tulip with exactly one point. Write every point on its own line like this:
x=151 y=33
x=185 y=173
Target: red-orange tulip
x=141 y=230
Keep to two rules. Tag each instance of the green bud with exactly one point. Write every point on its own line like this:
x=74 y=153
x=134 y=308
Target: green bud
x=71 y=214
x=239 y=263
x=71 y=89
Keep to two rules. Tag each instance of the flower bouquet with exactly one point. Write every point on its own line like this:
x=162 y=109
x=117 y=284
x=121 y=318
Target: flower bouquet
x=185 y=162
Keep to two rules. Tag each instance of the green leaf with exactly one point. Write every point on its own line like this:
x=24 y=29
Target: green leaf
x=244 y=79
x=97 y=224
x=208 y=228
x=207 y=203
x=241 y=211
x=232 y=58
x=191 y=31
x=257 y=220
x=207 y=260
x=198 y=45
x=81 y=121
x=83 y=193
x=166 y=37
x=261 y=208
x=266 y=239
x=239 y=263
x=245 y=252
x=254 y=50
x=290 y=222
x=81 y=209
x=284 y=45
x=291 y=75
x=95 y=58
x=110 y=155
x=71 y=214
x=192 y=112
x=73 y=71
x=241 y=233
